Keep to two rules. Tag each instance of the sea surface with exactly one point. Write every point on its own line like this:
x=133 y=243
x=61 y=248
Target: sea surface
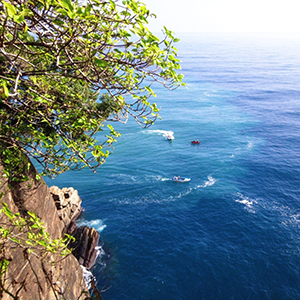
x=233 y=231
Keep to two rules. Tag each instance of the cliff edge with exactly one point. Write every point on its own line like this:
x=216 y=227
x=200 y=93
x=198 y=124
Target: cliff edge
x=31 y=276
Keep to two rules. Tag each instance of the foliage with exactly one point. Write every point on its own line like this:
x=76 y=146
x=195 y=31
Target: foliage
x=30 y=234
x=67 y=69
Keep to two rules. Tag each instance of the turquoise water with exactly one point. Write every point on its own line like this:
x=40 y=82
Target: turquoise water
x=232 y=232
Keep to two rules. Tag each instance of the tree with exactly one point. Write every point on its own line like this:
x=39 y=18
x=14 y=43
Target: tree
x=69 y=69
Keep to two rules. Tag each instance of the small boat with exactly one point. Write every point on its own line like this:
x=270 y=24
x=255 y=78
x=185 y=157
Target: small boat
x=196 y=142
x=180 y=179
x=169 y=137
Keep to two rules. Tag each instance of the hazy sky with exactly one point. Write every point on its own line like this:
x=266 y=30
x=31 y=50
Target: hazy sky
x=226 y=15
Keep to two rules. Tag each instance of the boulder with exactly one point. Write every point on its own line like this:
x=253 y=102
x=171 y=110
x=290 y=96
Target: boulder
x=68 y=204
x=84 y=247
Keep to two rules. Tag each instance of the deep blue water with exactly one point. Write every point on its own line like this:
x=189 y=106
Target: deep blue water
x=233 y=231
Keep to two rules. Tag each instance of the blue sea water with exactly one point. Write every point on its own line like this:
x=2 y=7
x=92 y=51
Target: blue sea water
x=233 y=231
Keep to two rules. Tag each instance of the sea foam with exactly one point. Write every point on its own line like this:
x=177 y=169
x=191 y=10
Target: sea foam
x=211 y=181
x=97 y=224
x=247 y=202
x=88 y=276
x=164 y=133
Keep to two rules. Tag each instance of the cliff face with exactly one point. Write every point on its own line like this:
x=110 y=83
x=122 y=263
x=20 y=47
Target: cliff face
x=68 y=204
x=29 y=276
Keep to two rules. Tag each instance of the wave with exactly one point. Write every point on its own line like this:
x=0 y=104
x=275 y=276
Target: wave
x=97 y=224
x=249 y=145
x=211 y=181
x=247 y=202
x=88 y=276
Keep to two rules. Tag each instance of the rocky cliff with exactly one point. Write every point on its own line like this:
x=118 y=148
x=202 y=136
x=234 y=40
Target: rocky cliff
x=68 y=204
x=31 y=276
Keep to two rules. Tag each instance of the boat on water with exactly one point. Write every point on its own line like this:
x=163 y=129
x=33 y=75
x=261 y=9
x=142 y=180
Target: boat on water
x=169 y=137
x=180 y=179
x=196 y=142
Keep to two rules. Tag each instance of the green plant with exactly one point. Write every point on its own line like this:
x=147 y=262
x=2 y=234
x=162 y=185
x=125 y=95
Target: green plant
x=29 y=233
x=67 y=69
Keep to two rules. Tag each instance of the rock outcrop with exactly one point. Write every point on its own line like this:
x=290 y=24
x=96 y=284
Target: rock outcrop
x=31 y=275
x=84 y=247
x=68 y=204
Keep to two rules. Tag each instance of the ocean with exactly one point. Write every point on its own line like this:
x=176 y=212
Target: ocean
x=233 y=231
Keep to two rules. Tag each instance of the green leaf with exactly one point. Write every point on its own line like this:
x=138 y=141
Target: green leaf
x=112 y=3
x=18 y=18
x=63 y=12
x=35 y=226
x=31 y=214
x=110 y=127
x=67 y=4
x=43 y=243
x=100 y=62
x=4 y=93
x=150 y=91
x=15 y=240
x=137 y=31
x=3 y=266
x=10 y=9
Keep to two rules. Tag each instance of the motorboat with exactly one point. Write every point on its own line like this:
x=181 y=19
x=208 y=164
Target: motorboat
x=196 y=142
x=169 y=137
x=180 y=179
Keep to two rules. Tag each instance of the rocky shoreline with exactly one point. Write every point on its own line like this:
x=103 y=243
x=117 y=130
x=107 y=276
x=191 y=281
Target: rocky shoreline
x=36 y=275
x=68 y=204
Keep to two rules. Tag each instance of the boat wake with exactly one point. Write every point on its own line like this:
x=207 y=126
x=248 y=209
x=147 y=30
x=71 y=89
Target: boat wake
x=140 y=201
x=211 y=181
x=247 y=202
x=164 y=179
x=158 y=197
x=163 y=133
x=153 y=178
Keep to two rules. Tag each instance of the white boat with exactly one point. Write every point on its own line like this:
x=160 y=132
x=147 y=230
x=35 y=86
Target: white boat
x=180 y=179
x=169 y=137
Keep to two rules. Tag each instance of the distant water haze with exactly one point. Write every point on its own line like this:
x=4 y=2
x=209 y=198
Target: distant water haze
x=225 y=16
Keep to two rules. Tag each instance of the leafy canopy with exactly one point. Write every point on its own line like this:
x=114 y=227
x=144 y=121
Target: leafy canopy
x=69 y=69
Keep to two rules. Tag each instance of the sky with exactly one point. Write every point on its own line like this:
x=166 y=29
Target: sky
x=225 y=15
